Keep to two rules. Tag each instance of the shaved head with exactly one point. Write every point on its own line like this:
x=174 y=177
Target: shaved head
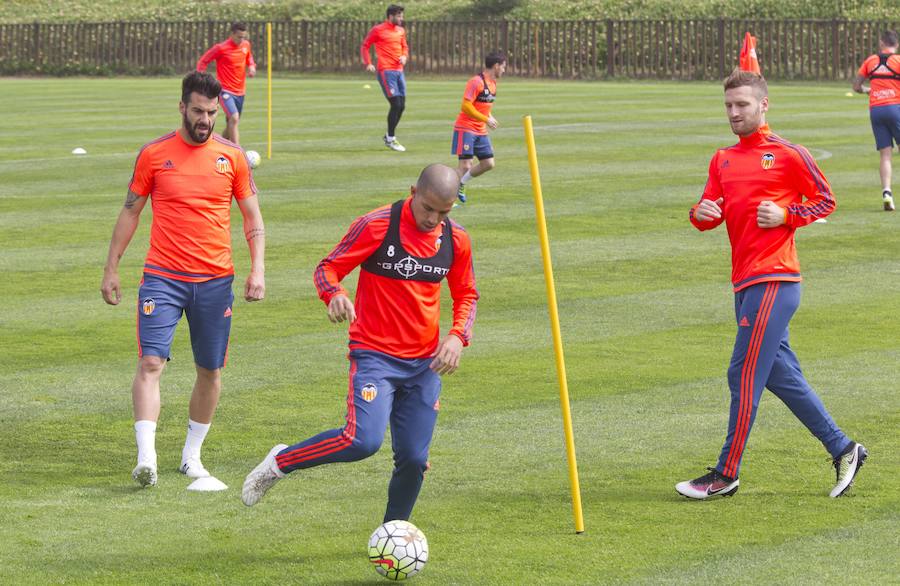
x=433 y=196
x=439 y=180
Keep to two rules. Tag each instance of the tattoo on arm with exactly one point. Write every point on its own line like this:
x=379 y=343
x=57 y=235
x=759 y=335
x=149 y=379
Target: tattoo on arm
x=130 y=200
x=254 y=233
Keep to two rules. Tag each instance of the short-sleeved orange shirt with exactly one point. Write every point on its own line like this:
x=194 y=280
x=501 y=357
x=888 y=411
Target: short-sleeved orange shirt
x=191 y=188
x=481 y=93
x=884 y=80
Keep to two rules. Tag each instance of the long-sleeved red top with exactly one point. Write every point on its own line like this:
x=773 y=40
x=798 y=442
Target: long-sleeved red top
x=390 y=45
x=397 y=316
x=231 y=64
x=763 y=167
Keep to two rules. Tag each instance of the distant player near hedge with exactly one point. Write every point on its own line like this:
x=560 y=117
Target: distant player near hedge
x=470 y=132
x=234 y=61
x=389 y=39
x=883 y=72
x=764 y=188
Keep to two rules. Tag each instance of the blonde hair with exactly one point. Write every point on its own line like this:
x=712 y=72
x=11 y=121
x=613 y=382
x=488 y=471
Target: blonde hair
x=739 y=78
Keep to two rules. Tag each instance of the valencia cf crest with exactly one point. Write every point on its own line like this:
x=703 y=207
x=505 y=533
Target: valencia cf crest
x=148 y=306
x=369 y=392
x=767 y=161
x=222 y=165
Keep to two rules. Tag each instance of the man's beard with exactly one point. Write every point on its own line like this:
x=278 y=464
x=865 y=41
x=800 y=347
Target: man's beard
x=195 y=134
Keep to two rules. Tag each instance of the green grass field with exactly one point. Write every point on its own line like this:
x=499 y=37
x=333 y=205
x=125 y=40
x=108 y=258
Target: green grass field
x=647 y=319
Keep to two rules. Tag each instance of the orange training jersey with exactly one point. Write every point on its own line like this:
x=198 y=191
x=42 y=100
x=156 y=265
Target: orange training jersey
x=763 y=167
x=231 y=64
x=481 y=92
x=190 y=189
x=390 y=45
x=883 y=71
x=396 y=316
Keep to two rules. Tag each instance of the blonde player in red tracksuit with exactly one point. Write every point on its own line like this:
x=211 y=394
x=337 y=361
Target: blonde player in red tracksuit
x=389 y=39
x=234 y=60
x=757 y=187
x=470 y=134
x=396 y=356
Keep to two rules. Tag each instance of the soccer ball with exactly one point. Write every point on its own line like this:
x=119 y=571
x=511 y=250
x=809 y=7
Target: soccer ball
x=254 y=159
x=398 y=549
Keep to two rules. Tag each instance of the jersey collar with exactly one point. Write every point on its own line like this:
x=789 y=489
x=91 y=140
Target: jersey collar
x=757 y=138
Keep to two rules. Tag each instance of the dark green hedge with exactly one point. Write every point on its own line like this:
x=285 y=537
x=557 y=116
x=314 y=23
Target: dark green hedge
x=129 y=10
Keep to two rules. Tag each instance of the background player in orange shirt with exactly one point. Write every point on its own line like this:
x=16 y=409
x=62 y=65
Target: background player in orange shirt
x=883 y=72
x=191 y=176
x=389 y=39
x=234 y=61
x=404 y=251
x=470 y=134
x=764 y=188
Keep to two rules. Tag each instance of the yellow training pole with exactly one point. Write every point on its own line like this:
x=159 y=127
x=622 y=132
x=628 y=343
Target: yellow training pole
x=269 y=72
x=554 y=323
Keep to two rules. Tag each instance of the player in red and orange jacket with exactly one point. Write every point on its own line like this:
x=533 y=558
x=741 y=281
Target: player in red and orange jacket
x=389 y=39
x=763 y=188
x=397 y=354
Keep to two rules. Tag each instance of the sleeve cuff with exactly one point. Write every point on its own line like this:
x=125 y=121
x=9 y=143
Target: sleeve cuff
x=460 y=336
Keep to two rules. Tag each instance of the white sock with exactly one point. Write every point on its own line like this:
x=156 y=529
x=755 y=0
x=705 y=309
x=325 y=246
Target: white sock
x=466 y=178
x=196 y=433
x=145 y=434
x=390 y=138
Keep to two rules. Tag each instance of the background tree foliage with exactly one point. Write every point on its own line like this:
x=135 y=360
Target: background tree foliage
x=114 y=10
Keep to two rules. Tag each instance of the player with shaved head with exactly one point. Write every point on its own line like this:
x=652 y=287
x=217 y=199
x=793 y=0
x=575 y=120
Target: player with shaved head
x=397 y=355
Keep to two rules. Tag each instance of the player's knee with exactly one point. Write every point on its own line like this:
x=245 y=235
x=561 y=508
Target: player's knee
x=233 y=119
x=412 y=460
x=210 y=376
x=366 y=445
x=488 y=164
x=734 y=378
x=151 y=365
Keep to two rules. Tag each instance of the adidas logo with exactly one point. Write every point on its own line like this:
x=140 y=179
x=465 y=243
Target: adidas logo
x=168 y=164
x=745 y=322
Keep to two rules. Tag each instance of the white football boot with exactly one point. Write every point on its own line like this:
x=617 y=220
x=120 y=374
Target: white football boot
x=145 y=474
x=846 y=466
x=394 y=145
x=262 y=478
x=193 y=468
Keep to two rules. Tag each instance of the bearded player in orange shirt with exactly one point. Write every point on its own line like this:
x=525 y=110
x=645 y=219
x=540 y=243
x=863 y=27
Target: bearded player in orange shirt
x=470 y=132
x=389 y=39
x=397 y=355
x=191 y=176
x=234 y=62
x=764 y=188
